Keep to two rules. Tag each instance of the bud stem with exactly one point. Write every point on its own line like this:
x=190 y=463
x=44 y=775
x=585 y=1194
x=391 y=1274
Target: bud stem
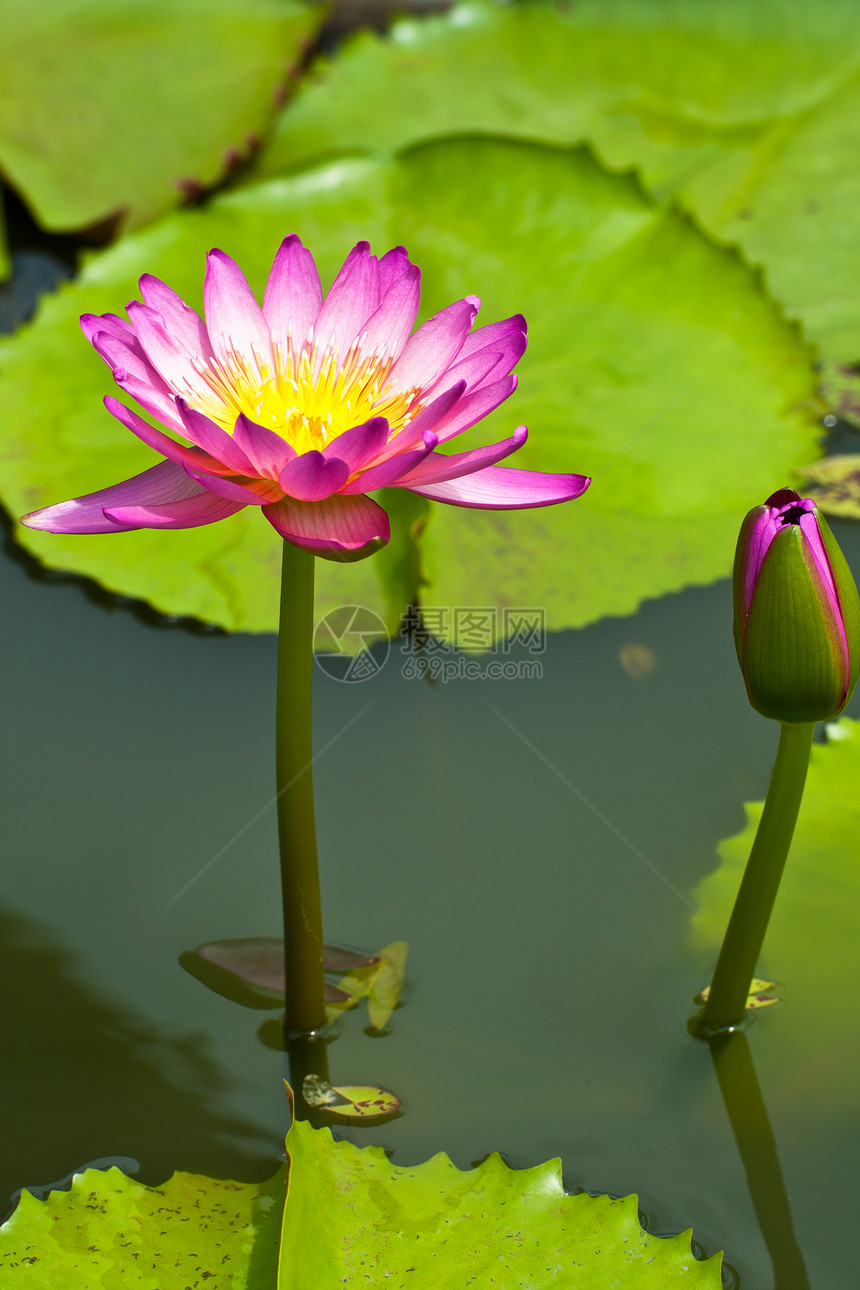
x=745 y=933
x=300 y=884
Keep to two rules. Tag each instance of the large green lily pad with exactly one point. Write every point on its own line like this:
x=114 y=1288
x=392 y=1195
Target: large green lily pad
x=120 y=109
x=353 y=1218
x=747 y=114
x=347 y=1210
x=655 y=365
x=811 y=951
x=111 y=1232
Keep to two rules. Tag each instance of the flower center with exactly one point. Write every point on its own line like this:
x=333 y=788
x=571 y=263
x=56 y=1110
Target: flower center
x=307 y=398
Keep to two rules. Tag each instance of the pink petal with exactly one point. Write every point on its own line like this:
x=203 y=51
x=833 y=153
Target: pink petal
x=234 y=320
x=340 y=528
x=184 y=325
x=491 y=362
x=213 y=439
x=390 y=471
x=252 y=492
x=171 y=360
x=293 y=296
x=494 y=335
x=437 y=467
x=426 y=421
x=352 y=299
x=266 y=450
x=392 y=266
x=359 y=444
x=190 y=513
x=137 y=377
x=157 y=439
x=165 y=483
x=388 y=327
x=473 y=371
x=313 y=477
x=110 y=324
x=503 y=488
x=472 y=407
x=435 y=345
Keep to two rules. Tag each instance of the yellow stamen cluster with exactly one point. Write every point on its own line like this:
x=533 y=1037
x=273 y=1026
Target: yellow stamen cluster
x=307 y=398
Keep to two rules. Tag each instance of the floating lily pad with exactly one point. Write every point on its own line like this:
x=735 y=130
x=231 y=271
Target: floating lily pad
x=655 y=365
x=122 y=109
x=380 y=982
x=350 y=1101
x=811 y=947
x=111 y=1232
x=748 y=114
x=257 y=962
x=347 y=1209
x=353 y=1217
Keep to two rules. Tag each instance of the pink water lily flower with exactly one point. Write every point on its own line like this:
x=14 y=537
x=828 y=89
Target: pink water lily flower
x=306 y=405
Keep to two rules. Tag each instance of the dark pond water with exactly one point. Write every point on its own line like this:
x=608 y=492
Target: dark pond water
x=535 y=841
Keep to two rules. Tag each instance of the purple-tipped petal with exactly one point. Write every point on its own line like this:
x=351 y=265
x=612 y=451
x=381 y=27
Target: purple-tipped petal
x=341 y=528
x=213 y=439
x=389 y=472
x=392 y=266
x=360 y=444
x=352 y=299
x=313 y=477
x=426 y=421
x=184 y=325
x=266 y=450
x=293 y=296
x=473 y=371
x=110 y=324
x=234 y=320
x=389 y=326
x=196 y=458
x=474 y=406
x=171 y=360
x=137 y=377
x=435 y=345
x=189 y=513
x=506 y=489
x=437 y=467
x=489 y=363
x=495 y=335
x=251 y=492
x=165 y=483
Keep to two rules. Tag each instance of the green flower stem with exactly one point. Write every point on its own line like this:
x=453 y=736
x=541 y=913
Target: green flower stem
x=300 y=885
x=742 y=942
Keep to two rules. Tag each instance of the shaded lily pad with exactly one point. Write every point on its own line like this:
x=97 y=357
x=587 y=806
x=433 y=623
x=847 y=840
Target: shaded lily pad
x=380 y=982
x=834 y=483
x=121 y=110
x=655 y=364
x=349 y=1210
x=257 y=963
x=747 y=114
x=811 y=946
x=111 y=1232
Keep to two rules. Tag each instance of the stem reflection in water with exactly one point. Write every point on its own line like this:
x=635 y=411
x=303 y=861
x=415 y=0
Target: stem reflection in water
x=747 y=1114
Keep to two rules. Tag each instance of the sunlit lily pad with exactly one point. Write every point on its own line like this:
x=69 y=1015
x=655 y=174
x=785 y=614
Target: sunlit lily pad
x=111 y=1232
x=655 y=365
x=746 y=113
x=811 y=946
x=354 y=1217
x=347 y=1209
x=757 y=998
x=380 y=982
x=122 y=109
x=350 y=1101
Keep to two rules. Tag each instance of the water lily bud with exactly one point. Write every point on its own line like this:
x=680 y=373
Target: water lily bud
x=796 y=613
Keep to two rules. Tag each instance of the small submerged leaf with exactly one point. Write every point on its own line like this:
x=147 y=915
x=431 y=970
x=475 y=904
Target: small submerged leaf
x=757 y=997
x=357 y=1101
x=380 y=982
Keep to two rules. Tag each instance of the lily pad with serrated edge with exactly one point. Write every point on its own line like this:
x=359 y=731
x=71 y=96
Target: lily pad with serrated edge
x=655 y=365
